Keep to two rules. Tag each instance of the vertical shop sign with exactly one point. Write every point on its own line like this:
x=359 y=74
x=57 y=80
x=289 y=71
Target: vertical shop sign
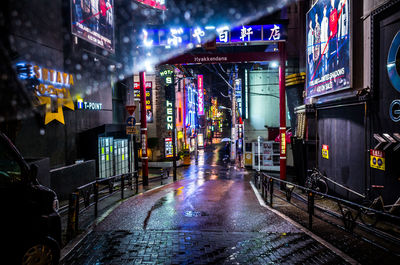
x=325 y=151
x=168 y=147
x=149 y=98
x=200 y=94
x=377 y=159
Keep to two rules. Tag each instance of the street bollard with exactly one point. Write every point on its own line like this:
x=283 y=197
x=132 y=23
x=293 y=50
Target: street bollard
x=135 y=175
x=262 y=188
x=122 y=186
x=130 y=183
x=271 y=191
x=310 y=204
x=73 y=213
x=96 y=197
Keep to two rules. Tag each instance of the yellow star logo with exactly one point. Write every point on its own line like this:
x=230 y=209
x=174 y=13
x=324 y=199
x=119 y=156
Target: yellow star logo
x=54 y=106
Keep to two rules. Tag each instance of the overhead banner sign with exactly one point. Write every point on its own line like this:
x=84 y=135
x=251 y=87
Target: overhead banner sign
x=328 y=47
x=93 y=21
x=186 y=37
x=224 y=58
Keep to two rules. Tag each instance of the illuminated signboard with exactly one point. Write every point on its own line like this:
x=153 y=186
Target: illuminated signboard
x=246 y=34
x=93 y=21
x=168 y=147
x=158 y=4
x=328 y=47
x=170 y=115
x=190 y=37
x=191 y=108
x=149 y=99
x=238 y=95
x=80 y=104
x=200 y=94
x=52 y=90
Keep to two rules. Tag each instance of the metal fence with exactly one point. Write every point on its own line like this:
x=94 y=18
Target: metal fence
x=350 y=214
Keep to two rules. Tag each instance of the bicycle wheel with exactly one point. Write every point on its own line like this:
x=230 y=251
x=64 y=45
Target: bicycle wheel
x=321 y=186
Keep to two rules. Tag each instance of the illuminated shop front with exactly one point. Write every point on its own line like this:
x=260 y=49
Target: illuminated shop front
x=191 y=121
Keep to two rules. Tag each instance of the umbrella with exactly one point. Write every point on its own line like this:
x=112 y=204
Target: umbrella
x=225 y=140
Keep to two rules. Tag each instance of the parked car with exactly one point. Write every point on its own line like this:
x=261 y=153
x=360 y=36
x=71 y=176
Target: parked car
x=30 y=224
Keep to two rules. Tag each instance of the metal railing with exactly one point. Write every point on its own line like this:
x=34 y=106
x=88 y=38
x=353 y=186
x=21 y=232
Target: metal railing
x=92 y=193
x=350 y=214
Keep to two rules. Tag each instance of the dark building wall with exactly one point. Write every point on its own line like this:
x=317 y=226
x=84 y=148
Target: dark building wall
x=343 y=130
x=385 y=25
x=43 y=38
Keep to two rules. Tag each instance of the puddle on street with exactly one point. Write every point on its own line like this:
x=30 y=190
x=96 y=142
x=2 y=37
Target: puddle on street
x=194 y=214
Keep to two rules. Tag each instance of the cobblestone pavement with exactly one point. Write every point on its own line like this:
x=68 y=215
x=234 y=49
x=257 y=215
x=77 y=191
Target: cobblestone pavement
x=200 y=247
x=211 y=216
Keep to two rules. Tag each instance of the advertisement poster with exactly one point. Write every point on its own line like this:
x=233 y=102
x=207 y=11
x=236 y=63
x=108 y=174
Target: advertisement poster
x=93 y=21
x=168 y=147
x=328 y=47
x=149 y=99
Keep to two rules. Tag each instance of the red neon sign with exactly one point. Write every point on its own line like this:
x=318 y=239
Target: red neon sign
x=200 y=94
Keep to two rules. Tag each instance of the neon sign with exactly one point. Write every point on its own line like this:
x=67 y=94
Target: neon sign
x=52 y=90
x=170 y=115
x=200 y=94
x=188 y=37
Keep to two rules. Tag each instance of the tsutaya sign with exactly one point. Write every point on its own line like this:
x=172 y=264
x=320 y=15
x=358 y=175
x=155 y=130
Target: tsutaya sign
x=53 y=91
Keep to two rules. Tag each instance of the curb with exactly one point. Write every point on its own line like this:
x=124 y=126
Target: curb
x=303 y=229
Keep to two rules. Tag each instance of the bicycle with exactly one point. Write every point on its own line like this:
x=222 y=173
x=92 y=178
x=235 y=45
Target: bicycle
x=316 y=181
x=371 y=215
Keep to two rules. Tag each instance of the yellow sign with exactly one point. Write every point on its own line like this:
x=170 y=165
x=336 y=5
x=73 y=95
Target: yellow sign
x=53 y=91
x=283 y=143
x=325 y=151
x=377 y=159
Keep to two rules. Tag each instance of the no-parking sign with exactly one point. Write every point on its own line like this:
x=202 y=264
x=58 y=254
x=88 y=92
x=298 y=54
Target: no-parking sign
x=377 y=159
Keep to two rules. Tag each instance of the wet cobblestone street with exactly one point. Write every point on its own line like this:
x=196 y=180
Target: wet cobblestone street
x=210 y=216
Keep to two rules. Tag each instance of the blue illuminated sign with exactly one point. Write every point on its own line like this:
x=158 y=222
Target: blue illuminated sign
x=186 y=37
x=246 y=34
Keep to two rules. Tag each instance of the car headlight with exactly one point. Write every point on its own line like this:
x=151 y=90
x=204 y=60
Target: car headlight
x=56 y=205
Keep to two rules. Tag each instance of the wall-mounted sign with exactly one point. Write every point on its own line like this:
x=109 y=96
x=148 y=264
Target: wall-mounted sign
x=168 y=147
x=158 y=4
x=170 y=115
x=136 y=87
x=149 y=98
x=93 y=21
x=238 y=95
x=52 y=90
x=393 y=68
x=80 y=104
x=200 y=94
x=167 y=76
x=328 y=47
x=377 y=159
x=325 y=151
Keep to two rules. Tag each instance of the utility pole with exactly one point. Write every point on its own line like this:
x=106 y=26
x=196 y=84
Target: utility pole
x=282 y=109
x=143 y=129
